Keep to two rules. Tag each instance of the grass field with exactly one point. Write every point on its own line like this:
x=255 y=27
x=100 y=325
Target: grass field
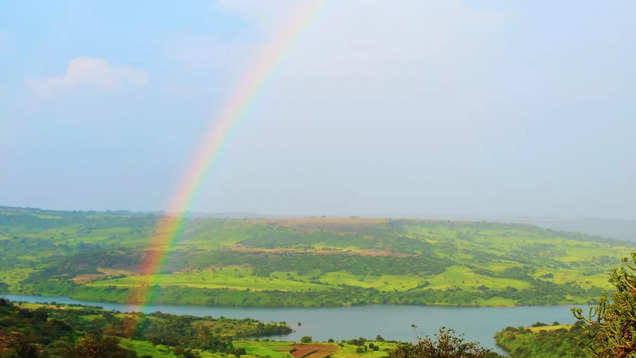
x=549 y=328
x=145 y=348
x=230 y=277
x=303 y=261
x=463 y=277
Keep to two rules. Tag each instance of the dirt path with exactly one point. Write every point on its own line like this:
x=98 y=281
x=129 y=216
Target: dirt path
x=313 y=350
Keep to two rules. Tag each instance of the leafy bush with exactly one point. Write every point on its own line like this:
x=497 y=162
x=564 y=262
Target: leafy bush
x=445 y=345
x=612 y=323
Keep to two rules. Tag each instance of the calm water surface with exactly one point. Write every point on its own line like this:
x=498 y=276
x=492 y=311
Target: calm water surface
x=390 y=321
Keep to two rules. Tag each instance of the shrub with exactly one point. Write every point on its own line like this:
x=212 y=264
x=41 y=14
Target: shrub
x=94 y=346
x=445 y=345
x=612 y=323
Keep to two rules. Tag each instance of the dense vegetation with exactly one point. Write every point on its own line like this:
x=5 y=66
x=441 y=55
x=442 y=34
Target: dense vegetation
x=445 y=345
x=612 y=323
x=544 y=341
x=67 y=331
x=302 y=262
x=608 y=331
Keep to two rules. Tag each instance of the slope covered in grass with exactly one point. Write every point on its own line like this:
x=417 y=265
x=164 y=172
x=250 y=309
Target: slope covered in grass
x=303 y=261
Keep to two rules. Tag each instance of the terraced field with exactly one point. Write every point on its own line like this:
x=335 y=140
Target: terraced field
x=303 y=261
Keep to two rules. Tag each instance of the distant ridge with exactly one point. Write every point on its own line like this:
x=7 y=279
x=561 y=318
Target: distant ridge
x=619 y=229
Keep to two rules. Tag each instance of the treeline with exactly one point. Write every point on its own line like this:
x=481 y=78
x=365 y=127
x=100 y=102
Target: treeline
x=373 y=236
x=305 y=263
x=543 y=293
x=37 y=219
x=85 y=263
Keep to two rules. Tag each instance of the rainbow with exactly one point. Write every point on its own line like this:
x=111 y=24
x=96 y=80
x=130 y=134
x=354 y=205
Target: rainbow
x=170 y=224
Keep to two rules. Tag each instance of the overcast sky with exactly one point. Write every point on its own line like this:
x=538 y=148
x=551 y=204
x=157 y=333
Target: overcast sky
x=401 y=108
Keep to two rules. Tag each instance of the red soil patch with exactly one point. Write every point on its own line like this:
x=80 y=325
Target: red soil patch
x=241 y=248
x=341 y=225
x=5 y=341
x=88 y=277
x=296 y=221
x=313 y=350
x=104 y=273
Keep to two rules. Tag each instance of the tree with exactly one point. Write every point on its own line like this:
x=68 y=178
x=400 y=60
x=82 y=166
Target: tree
x=94 y=346
x=21 y=349
x=611 y=324
x=306 y=339
x=445 y=345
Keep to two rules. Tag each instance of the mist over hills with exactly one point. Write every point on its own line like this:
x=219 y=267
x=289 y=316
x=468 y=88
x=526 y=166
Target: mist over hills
x=620 y=229
x=610 y=228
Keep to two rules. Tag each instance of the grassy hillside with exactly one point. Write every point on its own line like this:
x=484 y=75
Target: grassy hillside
x=303 y=261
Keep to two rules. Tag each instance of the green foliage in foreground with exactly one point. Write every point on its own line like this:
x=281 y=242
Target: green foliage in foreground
x=26 y=333
x=302 y=262
x=612 y=324
x=445 y=345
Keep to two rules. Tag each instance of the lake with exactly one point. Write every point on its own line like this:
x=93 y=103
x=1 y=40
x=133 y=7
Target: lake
x=390 y=321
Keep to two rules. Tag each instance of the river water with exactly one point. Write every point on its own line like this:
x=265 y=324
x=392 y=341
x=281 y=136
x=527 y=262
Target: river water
x=390 y=321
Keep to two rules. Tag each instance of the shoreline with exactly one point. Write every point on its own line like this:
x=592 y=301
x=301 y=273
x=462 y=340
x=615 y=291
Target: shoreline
x=105 y=301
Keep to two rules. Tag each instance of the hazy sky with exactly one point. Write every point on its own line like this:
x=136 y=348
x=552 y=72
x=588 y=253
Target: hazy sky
x=409 y=107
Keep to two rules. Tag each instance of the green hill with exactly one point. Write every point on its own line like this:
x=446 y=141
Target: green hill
x=303 y=261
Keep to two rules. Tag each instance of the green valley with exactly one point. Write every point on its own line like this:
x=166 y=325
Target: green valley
x=302 y=261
